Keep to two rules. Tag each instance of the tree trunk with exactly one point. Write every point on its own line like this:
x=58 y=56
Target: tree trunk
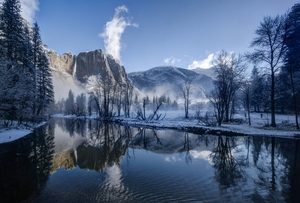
x=295 y=100
x=273 y=123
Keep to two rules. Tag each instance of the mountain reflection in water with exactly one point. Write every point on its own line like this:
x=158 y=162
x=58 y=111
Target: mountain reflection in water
x=86 y=160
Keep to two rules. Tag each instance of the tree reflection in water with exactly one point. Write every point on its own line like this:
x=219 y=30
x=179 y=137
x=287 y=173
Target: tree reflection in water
x=145 y=139
x=186 y=148
x=25 y=165
x=273 y=169
x=277 y=162
x=228 y=169
x=105 y=146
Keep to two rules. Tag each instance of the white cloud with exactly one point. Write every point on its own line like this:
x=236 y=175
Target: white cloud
x=28 y=9
x=171 y=60
x=205 y=64
x=113 y=31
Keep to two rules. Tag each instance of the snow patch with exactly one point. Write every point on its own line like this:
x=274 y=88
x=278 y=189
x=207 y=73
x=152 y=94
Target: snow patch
x=13 y=134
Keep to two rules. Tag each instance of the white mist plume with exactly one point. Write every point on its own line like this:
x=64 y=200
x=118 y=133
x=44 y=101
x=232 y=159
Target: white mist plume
x=28 y=9
x=113 y=31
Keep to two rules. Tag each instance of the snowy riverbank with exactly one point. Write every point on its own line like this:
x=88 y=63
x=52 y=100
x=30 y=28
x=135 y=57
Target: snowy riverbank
x=14 y=133
x=174 y=120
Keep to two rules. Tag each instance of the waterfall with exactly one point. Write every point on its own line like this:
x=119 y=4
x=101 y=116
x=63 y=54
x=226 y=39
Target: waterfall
x=74 y=70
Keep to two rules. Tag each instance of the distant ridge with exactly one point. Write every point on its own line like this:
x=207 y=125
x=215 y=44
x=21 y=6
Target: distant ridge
x=209 y=72
x=167 y=80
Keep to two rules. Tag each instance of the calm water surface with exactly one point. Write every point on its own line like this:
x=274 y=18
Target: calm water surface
x=71 y=160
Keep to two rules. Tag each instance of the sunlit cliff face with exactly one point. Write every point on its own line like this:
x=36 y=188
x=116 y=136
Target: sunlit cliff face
x=71 y=72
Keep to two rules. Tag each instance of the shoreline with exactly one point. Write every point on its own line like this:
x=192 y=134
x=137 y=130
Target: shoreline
x=193 y=126
x=14 y=133
x=224 y=130
x=178 y=124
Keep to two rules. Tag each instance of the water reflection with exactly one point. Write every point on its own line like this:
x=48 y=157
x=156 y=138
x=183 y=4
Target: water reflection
x=102 y=145
x=144 y=165
x=25 y=165
x=228 y=170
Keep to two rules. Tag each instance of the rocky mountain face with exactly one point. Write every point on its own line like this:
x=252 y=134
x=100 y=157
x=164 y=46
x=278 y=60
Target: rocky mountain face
x=71 y=71
x=64 y=62
x=168 y=80
x=95 y=62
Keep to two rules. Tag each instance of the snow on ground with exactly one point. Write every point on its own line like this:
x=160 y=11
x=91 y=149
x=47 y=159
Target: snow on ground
x=259 y=123
x=175 y=119
x=11 y=134
x=286 y=126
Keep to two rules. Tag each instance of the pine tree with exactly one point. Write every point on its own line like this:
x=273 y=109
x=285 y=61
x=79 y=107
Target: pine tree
x=70 y=103
x=290 y=72
x=256 y=90
x=11 y=36
x=15 y=66
x=45 y=94
x=36 y=51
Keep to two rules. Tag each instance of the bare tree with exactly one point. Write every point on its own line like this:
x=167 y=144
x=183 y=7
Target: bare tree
x=141 y=113
x=269 y=45
x=118 y=99
x=247 y=98
x=215 y=97
x=101 y=93
x=186 y=92
x=229 y=74
x=127 y=100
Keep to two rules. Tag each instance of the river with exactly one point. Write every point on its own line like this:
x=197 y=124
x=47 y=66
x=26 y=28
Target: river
x=73 y=160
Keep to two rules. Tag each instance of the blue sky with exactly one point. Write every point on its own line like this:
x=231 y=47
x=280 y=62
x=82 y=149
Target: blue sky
x=148 y=33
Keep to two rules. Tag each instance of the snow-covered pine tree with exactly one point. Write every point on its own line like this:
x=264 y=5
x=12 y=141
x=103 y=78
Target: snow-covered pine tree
x=70 y=103
x=36 y=50
x=45 y=93
x=27 y=75
x=14 y=63
x=80 y=106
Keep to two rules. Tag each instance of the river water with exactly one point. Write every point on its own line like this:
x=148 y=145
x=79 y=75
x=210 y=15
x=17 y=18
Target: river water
x=72 y=160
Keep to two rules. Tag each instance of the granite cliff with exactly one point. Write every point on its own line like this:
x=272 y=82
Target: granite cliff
x=95 y=62
x=71 y=71
x=64 y=62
